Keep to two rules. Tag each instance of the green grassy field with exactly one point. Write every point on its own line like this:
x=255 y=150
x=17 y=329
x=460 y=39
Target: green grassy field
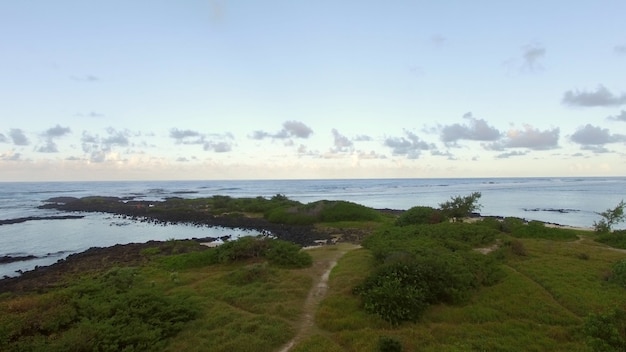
x=540 y=305
x=536 y=290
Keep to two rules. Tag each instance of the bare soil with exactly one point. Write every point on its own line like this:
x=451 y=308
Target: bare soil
x=321 y=274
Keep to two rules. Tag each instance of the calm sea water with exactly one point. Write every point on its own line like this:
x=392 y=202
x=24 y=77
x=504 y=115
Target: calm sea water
x=567 y=201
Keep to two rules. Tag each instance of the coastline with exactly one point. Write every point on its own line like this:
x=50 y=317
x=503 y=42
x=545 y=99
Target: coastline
x=96 y=258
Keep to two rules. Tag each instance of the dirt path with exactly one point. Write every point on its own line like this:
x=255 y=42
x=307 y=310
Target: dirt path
x=317 y=293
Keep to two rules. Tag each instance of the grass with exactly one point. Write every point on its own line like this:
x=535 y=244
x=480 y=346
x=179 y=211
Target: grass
x=539 y=305
x=240 y=298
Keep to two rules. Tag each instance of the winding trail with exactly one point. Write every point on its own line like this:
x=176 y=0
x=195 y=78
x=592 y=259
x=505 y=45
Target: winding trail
x=317 y=293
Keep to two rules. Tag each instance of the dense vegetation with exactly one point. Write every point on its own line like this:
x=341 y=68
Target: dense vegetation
x=419 y=282
x=276 y=252
x=422 y=265
x=120 y=310
x=115 y=311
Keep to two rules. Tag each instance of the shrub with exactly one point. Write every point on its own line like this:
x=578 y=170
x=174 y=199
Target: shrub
x=389 y=344
x=517 y=248
x=287 y=254
x=403 y=287
x=289 y=215
x=150 y=251
x=111 y=312
x=257 y=272
x=395 y=292
x=610 y=217
x=459 y=207
x=606 y=331
x=246 y=247
x=615 y=239
x=326 y=211
x=618 y=273
x=420 y=215
x=538 y=229
x=346 y=211
x=277 y=252
x=418 y=266
x=582 y=256
x=190 y=260
x=509 y=225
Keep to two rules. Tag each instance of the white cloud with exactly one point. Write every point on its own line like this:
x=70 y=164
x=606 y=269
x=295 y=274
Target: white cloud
x=438 y=40
x=589 y=135
x=18 y=137
x=597 y=149
x=48 y=147
x=119 y=138
x=409 y=145
x=511 y=154
x=57 y=131
x=601 y=97
x=475 y=130
x=101 y=149
x=531 y=56
x=218 y=143
x=218 y=146
x=186 y=136
x=50 y=135
x=92 y=114
x=447 y=154
x=291 y=129
x=620 y=49
x=297 y=129
x=620 y=117
x=85 y=78
x=10 y=156
x=363 y=138
x=341 y=142
x=529 y=137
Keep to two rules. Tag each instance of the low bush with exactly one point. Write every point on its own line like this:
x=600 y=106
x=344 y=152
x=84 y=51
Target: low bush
x=618 y=273
x=453 y=236
x=421 y=265
x=276 y=252
x=290 y=215
x=112 y=312
x=406 y=283
x=189 y=260
x=537 y=229
x=288 y=255
x=395 y=292
x=243 y=248
x=517 y=248
x=509 y=224
x=389 y=344
x=615 y=239
x=606 y=331
x=420 y=215
x=582 y=256
x=257 y=272
x=321 y=211
x=333 y=211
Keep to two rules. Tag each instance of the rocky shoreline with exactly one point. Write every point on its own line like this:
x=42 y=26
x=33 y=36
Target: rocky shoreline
x=145 y=211
x=94 y=259
x=98 y=258
x=33 y=218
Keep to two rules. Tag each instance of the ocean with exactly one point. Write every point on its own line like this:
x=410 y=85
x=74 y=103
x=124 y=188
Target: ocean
x=565 y=201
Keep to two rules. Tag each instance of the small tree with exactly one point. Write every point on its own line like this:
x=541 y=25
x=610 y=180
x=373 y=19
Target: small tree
x=610 y=217
x=459 y=207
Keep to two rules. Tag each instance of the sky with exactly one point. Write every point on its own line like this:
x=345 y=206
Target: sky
x=242 y=89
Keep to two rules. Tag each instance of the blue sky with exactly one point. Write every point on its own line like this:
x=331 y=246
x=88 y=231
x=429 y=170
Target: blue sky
x=190 y=89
